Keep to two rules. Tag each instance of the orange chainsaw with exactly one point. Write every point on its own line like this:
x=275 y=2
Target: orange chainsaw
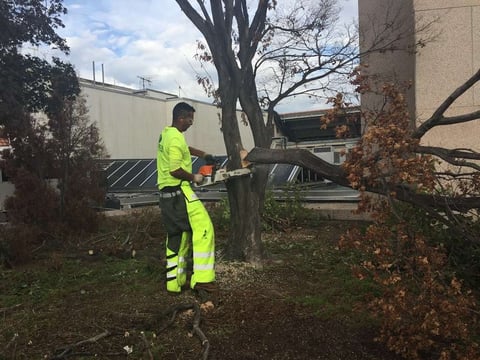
x=212 y=174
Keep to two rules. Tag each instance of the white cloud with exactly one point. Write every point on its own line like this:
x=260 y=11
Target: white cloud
x=148 y=38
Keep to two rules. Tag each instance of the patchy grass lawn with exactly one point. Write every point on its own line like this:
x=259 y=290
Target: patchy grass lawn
x=103 y=297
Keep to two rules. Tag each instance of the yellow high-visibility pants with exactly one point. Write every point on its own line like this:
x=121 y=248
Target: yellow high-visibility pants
x=177 y=264
x=203 y=239
x=187 y=221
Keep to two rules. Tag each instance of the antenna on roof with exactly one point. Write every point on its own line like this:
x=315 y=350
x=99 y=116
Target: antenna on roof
x=179 y=88
x=145 y=80
x=103 y=76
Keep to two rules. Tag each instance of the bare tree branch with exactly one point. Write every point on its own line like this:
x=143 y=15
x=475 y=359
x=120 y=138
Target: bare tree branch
x=451 y=120
x=438 y=116
x=64 y=352
x=174 y=310
x=203 y=24
x=455 y=157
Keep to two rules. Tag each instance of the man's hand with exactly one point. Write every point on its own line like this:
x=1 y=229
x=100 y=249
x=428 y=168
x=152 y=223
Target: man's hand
x=197 y=178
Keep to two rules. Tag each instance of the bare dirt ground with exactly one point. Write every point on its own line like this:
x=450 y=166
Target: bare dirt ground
x=97 y=299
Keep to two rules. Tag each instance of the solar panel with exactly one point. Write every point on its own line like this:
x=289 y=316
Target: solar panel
x=140 y=175
x=282 y=173
x=146 y=170
x=116 y=171
x=131 y=170
x=137 y=179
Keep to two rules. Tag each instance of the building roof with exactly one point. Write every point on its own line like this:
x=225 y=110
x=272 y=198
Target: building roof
x=307 y=126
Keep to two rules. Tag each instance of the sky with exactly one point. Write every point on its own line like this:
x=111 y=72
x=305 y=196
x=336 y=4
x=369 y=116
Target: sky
x=140 y=43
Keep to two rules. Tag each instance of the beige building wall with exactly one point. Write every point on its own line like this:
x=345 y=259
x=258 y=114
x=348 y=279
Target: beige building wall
x=445 y=64
x=389 y=66
x=437 y=69
x=131 y=121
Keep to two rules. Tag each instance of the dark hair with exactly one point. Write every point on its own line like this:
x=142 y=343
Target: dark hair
x=182 y=109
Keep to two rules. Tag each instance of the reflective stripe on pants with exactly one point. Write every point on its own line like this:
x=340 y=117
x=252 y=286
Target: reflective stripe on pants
x=177 y=264
x=203 y=239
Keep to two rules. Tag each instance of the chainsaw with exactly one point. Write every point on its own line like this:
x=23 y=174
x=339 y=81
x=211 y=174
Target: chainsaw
x=213 y=174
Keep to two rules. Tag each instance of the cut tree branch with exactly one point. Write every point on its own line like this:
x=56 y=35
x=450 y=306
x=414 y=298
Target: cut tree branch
x=300 y=157
x=335 y=173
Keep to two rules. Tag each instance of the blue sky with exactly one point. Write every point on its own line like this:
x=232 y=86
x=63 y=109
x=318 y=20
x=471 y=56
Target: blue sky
x=143 y=38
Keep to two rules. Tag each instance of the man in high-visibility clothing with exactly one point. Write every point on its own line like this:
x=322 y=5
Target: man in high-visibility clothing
x=185 y=218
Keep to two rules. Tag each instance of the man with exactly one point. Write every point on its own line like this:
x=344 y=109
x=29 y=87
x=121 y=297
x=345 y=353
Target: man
x=185 y=218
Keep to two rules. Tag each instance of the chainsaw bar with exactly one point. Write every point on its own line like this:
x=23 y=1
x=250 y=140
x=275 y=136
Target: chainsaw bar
x=222 y=175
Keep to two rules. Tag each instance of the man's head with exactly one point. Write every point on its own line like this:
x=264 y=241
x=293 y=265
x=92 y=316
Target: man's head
x=183 y=116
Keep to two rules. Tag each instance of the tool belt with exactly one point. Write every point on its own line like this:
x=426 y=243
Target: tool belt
x=170 y=191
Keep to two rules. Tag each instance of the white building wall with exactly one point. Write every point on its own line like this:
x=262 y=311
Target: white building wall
x=130 y=123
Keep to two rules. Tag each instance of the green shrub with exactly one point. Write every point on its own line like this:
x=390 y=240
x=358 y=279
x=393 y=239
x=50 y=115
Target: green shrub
x=285 y=208
x=278 y=214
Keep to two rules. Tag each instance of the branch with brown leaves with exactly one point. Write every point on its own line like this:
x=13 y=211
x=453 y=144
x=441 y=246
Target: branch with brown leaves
x=336 y=174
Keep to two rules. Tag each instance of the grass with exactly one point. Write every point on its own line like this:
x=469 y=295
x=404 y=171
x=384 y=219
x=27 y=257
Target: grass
x=60 y=298
x=324 y=274
x=72 y=293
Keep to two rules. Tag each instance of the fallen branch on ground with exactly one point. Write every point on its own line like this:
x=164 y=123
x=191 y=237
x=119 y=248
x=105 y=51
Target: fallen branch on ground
x=174 y=310
x=6 y=309
x=65 y=352
x=147 y=346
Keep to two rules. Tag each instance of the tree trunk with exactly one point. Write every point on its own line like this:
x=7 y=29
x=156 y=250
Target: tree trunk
x=245 y=194
x=245 y=239
x=237 y=81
